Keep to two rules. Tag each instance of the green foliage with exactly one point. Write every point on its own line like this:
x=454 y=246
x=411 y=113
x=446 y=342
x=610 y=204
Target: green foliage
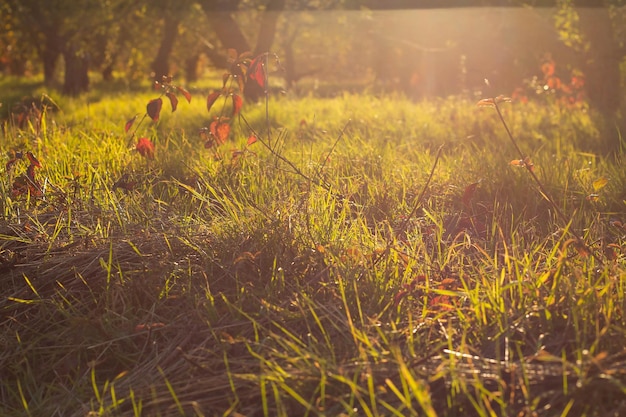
x=341 y=263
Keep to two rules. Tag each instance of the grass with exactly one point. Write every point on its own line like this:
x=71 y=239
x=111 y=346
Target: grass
x=332 y=276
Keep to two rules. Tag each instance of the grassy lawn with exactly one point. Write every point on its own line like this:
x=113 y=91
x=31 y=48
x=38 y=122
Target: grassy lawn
x=366 y=256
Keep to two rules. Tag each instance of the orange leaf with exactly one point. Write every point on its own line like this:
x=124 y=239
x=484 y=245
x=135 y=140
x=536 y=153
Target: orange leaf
x=185 y=93
x=485 y=102
x=145 y=147
x=548 y=68
x=251 y=139
x=211 y=99
x=237 y=104
x=223 y=130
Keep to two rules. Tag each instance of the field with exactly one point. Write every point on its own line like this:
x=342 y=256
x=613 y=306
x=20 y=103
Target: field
x=359 y=255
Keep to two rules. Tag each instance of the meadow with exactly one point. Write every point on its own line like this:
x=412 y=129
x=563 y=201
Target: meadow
x=354 y=255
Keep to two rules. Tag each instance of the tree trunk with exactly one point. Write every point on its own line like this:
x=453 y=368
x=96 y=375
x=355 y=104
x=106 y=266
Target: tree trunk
x=160 y=65
x=602 y=61
x=228 y=31
x=602 y=74
x=76 y=72
x=49 y=53
x=191 y=68
x=267 y=30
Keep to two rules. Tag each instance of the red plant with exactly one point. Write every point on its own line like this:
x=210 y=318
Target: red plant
x=145 y=147
x=154 y=107
x=244 y=72
x=550 y=84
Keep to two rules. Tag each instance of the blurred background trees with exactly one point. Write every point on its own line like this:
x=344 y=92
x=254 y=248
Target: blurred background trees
x=420 y=47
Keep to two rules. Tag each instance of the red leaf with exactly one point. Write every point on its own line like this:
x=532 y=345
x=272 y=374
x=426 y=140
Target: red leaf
x=129 y=123
x=219 y=129
x=154 y=108
x=237 y=104
x=469 y=193
x=27 y=183
x=222 y=132
x=251 y=139
x=148 y=326
x=211 y=100
x=548 y=68
x=185 y=93
x=33 y=161
x=12 y=161
x=399 y=297
x=173 y=101
x=145 y=147
x=256 y=70
x=30 y=172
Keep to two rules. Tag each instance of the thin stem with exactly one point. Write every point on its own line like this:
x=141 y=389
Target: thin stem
x=408 y=218
x=542 y=189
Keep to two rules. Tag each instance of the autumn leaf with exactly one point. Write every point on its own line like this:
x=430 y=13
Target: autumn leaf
x=129 y=123
x=256 y=70
x=491 y=102
x=251 y=139
x=11 y=162
x=185 y=93
x=154 y=108
x=222 y=132
x=210 y=100
x=16 y=156
x=219 y=130
x=526 y=162
x=548 y=68
x=173 y=101
x=148 y=326
x=145 y=147
x=237 y=104
x=33 y=160
x=236 y=155
x=30 y=173
x=600 y=183
x=27 y=183
x=485 y=102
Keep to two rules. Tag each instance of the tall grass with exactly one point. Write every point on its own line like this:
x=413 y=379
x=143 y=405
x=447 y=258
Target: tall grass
x=333 y=276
